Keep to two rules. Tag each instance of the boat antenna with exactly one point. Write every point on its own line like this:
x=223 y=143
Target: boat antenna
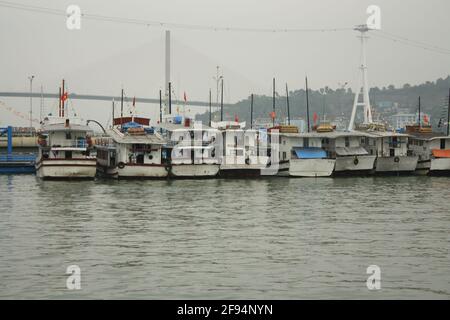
x=307 y=105
x=251 y=111
x=287 y=104
x=221 y=101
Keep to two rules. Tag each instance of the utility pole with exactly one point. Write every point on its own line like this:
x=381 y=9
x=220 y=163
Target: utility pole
x=31 y=103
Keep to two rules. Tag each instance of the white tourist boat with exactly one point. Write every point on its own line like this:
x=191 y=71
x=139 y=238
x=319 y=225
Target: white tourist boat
x=192 y=148
x=391 y=149
x=302 y=155
x=132 y=149
x=65 y=148
x=347 y=148
x=245 y=152
x=440 y=159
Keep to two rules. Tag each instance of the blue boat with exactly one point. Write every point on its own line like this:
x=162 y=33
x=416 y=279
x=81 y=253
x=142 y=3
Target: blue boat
x=14 y=163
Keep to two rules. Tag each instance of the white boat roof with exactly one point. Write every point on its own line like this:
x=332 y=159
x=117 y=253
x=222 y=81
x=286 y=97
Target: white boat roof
x=193 y=127
x=62 y=127
x=126 y=138
x=59 y=124
x=330 y=135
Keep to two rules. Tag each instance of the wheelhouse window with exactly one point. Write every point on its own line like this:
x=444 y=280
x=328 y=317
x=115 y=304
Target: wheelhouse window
x=442 y=144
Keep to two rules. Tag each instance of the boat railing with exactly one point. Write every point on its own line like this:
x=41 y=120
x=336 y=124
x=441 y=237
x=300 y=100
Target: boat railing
x=81 y=143
x=17 y=158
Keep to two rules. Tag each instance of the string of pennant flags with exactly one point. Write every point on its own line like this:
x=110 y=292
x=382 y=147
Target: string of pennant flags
x=24 y=116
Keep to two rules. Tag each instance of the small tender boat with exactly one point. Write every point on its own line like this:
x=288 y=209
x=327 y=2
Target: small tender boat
x=65 y=147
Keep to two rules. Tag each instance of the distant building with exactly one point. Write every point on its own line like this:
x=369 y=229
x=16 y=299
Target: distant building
x=401 y=120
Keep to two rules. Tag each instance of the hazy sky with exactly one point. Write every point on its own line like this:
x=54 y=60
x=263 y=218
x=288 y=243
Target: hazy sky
x=103 y=56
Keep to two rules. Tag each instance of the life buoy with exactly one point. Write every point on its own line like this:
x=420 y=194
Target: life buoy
x=121 y=165
x=356 y=161
x=397 y=159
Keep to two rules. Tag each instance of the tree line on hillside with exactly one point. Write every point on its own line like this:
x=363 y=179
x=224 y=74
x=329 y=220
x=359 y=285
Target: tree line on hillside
x=339 y=102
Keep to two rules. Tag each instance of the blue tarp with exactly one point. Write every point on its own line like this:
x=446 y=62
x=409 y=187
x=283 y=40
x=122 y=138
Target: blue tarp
x=131 y=124
x=310 y=153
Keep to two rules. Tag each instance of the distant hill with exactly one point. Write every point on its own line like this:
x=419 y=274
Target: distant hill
x=339 y=102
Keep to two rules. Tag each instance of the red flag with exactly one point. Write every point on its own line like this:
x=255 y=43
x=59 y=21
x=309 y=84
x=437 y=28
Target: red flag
x=185 y=97
x=315 y=117
x=236 y=118
x=272 y=115
x=425 y=118
x=64 y=97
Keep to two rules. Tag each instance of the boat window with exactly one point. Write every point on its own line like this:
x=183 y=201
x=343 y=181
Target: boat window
x=68 y=135
x=392 y=152
x=140 y=159
x=305 y=142
x=68 y=154
x=284 y=155
x=442 y=144
x=347 y=142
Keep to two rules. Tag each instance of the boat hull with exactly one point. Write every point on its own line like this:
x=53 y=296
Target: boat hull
x=66 y=169
x=136 y=171
x=355 y=164
x=423 y=167
x=394 y=165
x=240 y=171
x=194 y=170
x=440 y=166
x=311 y=167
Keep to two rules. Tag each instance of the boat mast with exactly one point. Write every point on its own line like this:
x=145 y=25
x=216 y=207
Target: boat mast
x=121 y=108
x=59 y=105
x=63 y=101
x=170 y=98
x=448 y=114
x=210 y=104
x=221 y=101
x=307 y=105
x=112 y=120
x=273 y=103
x=287 y=104
x=419 y=114
x=160 y=106
x=364 y=88
x=251 y=111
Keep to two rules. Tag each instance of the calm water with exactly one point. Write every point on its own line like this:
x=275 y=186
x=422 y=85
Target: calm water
x=225 y=239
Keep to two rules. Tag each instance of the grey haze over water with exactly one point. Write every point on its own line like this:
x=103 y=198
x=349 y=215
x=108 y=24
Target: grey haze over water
x=102 y=56
x=225 y=239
